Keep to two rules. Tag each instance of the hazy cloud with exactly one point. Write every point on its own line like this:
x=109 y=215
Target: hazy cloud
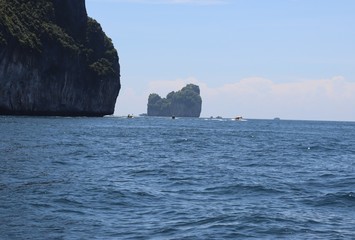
x=324 y=99
x=256 y=97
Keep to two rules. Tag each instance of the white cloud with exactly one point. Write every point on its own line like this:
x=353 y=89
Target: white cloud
x=326 y=99
x=256 y=97
x=130 y=102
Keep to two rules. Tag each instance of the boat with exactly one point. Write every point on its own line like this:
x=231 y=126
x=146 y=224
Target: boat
x=238 y=118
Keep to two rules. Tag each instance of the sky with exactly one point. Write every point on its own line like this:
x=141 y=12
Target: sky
x=261 y=59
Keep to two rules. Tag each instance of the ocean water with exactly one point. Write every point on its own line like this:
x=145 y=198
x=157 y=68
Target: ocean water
x=158 y=178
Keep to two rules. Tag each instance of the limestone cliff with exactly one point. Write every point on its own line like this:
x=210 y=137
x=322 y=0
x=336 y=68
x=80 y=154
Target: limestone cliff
x=55 y=60
x=184 y=103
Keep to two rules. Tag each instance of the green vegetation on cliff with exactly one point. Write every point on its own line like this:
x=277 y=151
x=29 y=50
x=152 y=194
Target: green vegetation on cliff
x=27 y=22
x=184 y=103
x=55 y=60
x=32 y=25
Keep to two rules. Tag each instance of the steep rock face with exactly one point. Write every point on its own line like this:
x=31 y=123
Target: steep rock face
x=54 y=60
x=184 y=103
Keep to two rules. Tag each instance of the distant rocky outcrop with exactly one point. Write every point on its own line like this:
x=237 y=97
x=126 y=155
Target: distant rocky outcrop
x=185 y=103
x=55 y=60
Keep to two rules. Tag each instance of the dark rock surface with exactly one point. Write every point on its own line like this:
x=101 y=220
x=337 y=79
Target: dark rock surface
x=55 y=60
x=185 y=103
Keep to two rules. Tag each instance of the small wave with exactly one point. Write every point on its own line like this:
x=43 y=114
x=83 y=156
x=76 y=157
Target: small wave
x=32 y=184
x=217 y=119
x=59 y=162
x=336 y=199
x=231 y=189
x=67 y=201
x=180 y=140
x=145 y=172
x=129 y=197
x=41 y=205
x=327 y=175
x=70 y=211
x=2 y=186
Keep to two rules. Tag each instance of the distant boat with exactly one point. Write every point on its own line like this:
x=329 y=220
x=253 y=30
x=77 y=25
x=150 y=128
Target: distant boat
x=130 y=116
x=219 y=117
x=238 y=118
x=277 y=119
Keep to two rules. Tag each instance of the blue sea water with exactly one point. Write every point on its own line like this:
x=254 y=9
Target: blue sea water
x=158 y=178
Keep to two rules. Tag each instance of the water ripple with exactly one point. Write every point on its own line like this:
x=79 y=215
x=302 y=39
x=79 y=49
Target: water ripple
x=153 y=178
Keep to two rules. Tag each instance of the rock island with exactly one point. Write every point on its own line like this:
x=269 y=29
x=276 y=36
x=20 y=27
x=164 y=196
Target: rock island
x=184 y=103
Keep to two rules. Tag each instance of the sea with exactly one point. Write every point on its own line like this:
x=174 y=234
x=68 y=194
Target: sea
x=188 y=178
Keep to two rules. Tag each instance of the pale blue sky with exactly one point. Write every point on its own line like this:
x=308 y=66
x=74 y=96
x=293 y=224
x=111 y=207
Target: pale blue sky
x=293 y=59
